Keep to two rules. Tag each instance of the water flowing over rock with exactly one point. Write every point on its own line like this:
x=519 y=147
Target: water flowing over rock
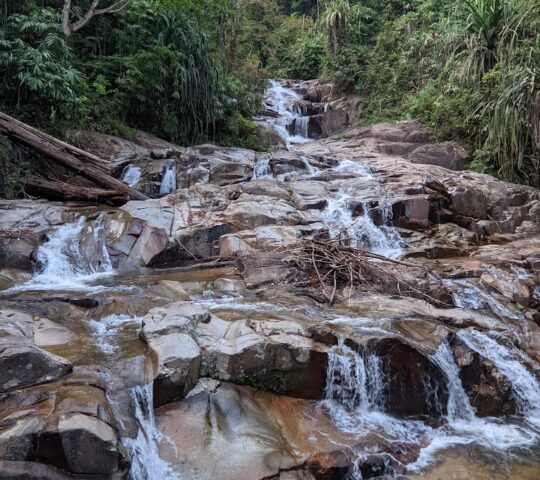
x=183 y=336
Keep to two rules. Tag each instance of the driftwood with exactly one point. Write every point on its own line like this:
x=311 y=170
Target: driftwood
x=334 y=266
x=82 y=163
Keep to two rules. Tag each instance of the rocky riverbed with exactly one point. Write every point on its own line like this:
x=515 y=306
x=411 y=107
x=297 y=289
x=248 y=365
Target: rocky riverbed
x=120 y=360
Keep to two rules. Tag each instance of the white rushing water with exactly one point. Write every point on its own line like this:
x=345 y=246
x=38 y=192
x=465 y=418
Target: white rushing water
x=284 y=103
x=74 y=254
x=146 y=464
x=168 y=182
x=355 y=400
x=131 y=175
x=510 y=362
x=261 y=169
x=105 y=331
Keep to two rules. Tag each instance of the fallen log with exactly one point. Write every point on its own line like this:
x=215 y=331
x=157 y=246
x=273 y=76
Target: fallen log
x=70 y=158
x=77 y=152
x=67 y=191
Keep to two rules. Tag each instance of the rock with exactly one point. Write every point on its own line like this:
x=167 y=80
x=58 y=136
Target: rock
x=30 y=471
x=489 y=392
x=227 y=422
x=179 y=360
x=449 y=155
x=260 y=239
x=253 y=211
x=23 y=364
x=267 y=188
x=409 y=131
x=86 y=445
x=272 y=268
x=267 y=136
x=307 y=195
x=47 y=333
x=177 y=317
x=508 y=284
x=150 y=244
x=230 y=286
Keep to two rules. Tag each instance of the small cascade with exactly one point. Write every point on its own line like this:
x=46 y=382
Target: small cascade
x=105 y=331
x=459 y=406
x=362 y=232
x=288 y=115
x=261 y=169
x=76 y=252
x=354 y=382
x=168 y=182
x=131 y=175
x=146 y=464
x=510 y=362
x=300 y=127
x=469 y=295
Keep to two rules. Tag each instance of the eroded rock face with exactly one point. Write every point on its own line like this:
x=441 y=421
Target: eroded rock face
x=227 y=423
x=190 y=342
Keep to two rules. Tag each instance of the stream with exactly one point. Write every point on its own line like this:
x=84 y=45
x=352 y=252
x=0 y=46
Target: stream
x=393 y=403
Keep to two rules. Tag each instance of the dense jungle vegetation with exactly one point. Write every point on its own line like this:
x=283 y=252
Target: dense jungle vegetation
x=192 y=70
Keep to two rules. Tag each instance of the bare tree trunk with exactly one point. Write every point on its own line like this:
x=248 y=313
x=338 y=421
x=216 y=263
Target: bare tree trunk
x=66 y=191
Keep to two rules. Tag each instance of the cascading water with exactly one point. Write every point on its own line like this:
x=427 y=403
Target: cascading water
x=354 y=382
x=361 y=232
x=168 y=182
x=467 y=294
x=74 y=254
x=146 y=464
x=106 y=331
x=284 y=103
x=509 y=361
x=261 y=168
x=131 y=175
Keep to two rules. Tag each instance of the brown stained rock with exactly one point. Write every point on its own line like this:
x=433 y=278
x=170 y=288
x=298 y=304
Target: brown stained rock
x=490 y=393
x=412 y=379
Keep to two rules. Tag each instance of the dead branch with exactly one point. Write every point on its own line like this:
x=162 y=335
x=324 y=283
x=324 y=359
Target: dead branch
x=93 y=11
x=337 y=266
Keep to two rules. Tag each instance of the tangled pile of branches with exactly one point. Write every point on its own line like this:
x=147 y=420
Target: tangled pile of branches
x=333 y=266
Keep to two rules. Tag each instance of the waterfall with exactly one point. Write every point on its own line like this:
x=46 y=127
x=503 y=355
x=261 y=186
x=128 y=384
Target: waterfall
x=354 y=382
x=301 y=127
x=284 y=103
x=146 y=464
x=469 y=295
x=459 y=406
x=261 y=168
x=168 y=182
x=362 y=232
x=131 y=175
x=73 y=254
x=509 y=361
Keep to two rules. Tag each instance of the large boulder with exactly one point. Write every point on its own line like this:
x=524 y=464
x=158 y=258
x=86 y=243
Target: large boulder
x=23 y=364
x=449 y=155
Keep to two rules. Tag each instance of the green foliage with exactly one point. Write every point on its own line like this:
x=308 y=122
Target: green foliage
x=37 y=69
x=469 y=70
